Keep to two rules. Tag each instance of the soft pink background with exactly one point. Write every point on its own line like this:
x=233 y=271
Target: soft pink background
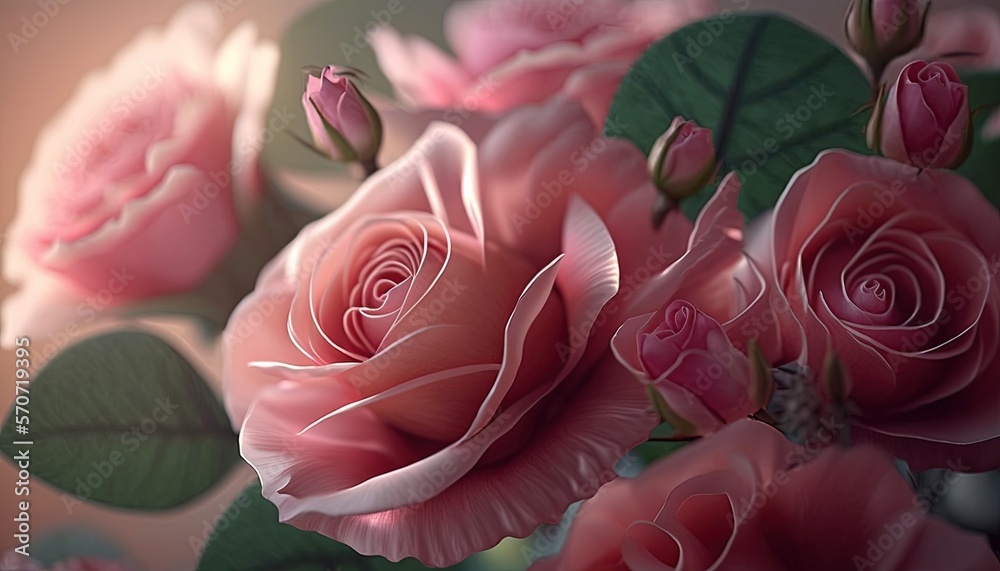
x=38 y=79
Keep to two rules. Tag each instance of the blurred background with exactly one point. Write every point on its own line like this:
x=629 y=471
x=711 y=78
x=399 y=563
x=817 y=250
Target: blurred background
x=39 y=77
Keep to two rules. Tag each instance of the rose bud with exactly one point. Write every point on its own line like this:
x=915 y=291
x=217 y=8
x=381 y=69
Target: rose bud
x=681 y=162
x=925 y=119
x=882 y=30
x=700 y=380
x=344 y=125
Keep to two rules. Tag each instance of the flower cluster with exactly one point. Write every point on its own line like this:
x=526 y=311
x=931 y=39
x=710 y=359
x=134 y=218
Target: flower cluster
x=509 y=303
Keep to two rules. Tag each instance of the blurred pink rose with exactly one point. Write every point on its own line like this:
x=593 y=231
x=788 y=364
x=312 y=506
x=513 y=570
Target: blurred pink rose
x=413 y=374
x=130 y=191
x=896 y=272
x=743 y=499
x=967 y=37
x=926 y=118
x=511 y=52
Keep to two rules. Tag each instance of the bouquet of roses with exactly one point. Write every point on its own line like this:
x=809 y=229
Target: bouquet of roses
x=728 y=285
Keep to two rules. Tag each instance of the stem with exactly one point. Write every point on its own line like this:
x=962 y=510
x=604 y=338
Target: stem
x=765 y=417
x=369 y=166
x=672 y=438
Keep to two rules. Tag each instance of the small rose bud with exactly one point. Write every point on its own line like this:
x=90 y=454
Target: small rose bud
x=682 y=161
x=924 y=121
x=692 y=365
x=882 y=30
x=344 y=125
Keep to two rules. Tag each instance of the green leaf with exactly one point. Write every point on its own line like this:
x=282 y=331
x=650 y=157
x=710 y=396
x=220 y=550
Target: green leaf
x=248 y=537
x=983 y=167
x=775 y=95
x=123 y=419
x=649 y=452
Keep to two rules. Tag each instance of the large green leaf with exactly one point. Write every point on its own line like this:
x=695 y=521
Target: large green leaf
x=248 y=537
x=774 y=94
x=983 y=165
x=123 y=419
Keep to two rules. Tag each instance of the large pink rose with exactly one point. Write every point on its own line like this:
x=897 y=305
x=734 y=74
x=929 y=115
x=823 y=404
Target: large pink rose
x=413 y=374
x=134 y=187
x=895 y=271
x=511 y=52
x=743 y=499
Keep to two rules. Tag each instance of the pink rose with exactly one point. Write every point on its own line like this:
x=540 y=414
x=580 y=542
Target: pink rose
x=682 y=160
x=966 y=37
x=511 y=52
x=693 y=322
x=925 y=121
x=342 y=122
x=880 y=30
x=694 y=367
x=130 y=191
x=896 y=272
x=746 y=498
x=413 y=375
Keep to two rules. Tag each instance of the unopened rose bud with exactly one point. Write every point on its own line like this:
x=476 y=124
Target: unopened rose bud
x=925 y=120
x=344 y=125
x=882 y=30
x=682 y=161
x=701 y=379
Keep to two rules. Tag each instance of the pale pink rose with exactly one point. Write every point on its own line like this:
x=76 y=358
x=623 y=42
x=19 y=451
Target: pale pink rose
x=746 y=498
x=134 y=186
x=682 y=160
x=413 y=375
x=694 y=321
x=926 y=117
x=343 y=123
x=510 y=52
x=895 y=271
